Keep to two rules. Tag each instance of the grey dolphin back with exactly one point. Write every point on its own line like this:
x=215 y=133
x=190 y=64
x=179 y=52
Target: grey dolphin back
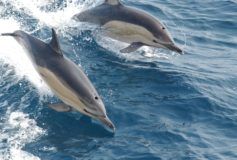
x=100 y=14
x=54 y=44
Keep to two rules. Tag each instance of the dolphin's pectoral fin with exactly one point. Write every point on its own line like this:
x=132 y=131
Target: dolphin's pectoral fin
x=60 y=107
x=132 y=47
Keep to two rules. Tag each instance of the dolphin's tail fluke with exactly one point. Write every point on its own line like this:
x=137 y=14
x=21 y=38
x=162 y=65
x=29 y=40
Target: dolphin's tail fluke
x=8 y=34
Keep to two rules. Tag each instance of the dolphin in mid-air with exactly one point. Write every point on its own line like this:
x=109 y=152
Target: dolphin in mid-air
x=129 y=25
x=65 y=78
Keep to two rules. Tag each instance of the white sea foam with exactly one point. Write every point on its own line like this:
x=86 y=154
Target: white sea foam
x=12 y=53
x=58 y=18
x=18 y=130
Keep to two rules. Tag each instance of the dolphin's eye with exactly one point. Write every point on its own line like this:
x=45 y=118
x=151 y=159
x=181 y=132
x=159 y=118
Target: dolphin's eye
x=96 y=98
x=163 y=27
x=155 y=41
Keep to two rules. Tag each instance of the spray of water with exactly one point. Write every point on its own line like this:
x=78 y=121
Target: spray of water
x=12 y=53
x=59 y=17
x=22 y=130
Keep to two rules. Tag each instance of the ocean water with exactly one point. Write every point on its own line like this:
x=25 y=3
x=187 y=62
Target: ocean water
x=164 y=105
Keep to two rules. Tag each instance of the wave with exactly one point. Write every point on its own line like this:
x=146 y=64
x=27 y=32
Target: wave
x=18 y=129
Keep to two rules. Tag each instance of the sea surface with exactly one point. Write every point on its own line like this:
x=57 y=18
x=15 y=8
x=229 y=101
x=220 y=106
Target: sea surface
x=164 y=105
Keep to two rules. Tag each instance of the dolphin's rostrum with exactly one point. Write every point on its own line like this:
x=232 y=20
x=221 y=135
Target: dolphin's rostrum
x=129 y=25
x=64 y=77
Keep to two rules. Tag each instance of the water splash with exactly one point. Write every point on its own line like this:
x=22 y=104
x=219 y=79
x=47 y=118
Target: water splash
x=23 y=130
x=59 y=17
x=12 y=53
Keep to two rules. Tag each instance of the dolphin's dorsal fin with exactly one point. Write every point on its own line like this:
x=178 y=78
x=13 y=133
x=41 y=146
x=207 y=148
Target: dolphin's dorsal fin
x=113 y=2
x=55 y=44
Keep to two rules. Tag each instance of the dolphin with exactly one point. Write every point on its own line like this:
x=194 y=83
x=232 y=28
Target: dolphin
x=64 y=78
x=129 y=25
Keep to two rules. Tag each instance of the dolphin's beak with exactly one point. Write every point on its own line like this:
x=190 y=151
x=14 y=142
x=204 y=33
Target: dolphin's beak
x=107 y=122
x=175 y=48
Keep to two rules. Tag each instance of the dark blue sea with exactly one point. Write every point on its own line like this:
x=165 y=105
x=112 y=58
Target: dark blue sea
x=165 y=106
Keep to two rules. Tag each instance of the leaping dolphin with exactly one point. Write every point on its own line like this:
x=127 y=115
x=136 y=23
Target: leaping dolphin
x=65 y=78
x=129 y=25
